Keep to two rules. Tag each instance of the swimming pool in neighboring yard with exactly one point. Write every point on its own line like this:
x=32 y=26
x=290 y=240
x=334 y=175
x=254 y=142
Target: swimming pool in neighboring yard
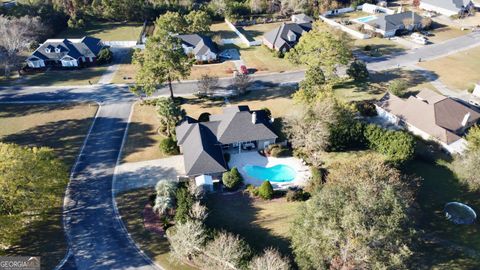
x=277 y=173
x=366 y=19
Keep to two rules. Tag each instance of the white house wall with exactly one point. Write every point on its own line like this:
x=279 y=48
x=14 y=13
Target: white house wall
x=69 y=63
x=36 y=64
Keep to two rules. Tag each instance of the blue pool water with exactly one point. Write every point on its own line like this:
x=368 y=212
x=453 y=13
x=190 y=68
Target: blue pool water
x=367 y=19
x=277 y=173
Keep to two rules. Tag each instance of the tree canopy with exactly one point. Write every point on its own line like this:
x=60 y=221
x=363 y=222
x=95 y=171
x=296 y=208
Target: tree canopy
x=359 y=219
x=27 y=178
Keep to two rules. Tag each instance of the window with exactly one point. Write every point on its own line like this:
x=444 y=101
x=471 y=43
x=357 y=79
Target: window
x=57 y=50
x=47 y=50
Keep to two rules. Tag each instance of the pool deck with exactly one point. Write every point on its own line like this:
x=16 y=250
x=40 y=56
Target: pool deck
x=253 y=158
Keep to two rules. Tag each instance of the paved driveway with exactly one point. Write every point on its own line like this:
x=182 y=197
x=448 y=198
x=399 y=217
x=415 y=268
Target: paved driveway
x=96 y=236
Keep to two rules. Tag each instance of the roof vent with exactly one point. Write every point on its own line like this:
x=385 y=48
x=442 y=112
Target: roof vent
x=254 y=118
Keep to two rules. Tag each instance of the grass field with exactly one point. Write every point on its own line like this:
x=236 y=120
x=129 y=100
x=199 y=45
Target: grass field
x=438 y=187
x=458 y=71
x=106 y=31
x=261 y=223
x=222 y=30
x=257 y=31
x=131 y=205
x=379 y=46
x=261 y=59
x=83 y=76
x=378 y=85
x=143 y=138
x=62 y=127
x=224 y=69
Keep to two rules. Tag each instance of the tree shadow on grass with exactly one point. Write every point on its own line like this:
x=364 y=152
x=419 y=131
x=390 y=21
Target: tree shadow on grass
x=439 y=185
x=65 y=137
x=238 y=214
x=43 y=237
x=16 y=110
x=139 y=138
x=271 y=91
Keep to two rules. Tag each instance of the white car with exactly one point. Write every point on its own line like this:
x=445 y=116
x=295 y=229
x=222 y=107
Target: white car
x=418 y=38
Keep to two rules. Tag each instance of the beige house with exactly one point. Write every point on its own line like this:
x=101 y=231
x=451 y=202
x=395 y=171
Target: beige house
x=430 y=116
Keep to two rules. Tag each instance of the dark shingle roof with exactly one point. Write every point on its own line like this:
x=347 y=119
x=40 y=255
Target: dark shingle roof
x=200 y=43
x=279 y=36
x=75 y=48
x=202 y=141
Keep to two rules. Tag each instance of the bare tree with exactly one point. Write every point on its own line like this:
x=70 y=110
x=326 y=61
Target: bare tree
x=225 y=252
x=198 y=211
x=241 y=82
x=309 y=128
x=17 y=34
x=408 y=22
x=271 y=259
x=186 y=240
x=207 y=85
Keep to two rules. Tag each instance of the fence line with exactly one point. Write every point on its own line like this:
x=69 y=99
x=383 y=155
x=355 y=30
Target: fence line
x=347 y=30
x=242 y=37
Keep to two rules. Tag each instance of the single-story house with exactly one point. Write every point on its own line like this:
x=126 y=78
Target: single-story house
x=200 y=46
x=388 y=24
x=430 y=116
x=446 y=7
x=65 y=52
x=203 y=143
x=373 y=9
x=286 y=36
x=301 y=18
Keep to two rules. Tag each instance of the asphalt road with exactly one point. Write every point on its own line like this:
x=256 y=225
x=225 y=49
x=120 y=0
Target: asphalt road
x=96 y=237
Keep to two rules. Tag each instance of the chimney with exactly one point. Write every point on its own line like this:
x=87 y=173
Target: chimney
x=254 y=118
x=465 y=119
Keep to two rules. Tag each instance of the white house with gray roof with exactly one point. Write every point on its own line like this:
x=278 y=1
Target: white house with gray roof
x=202 y=48
x=65 y=53
x=286 y=36
x=237 y=129
x=446 y=7
x=388 y=25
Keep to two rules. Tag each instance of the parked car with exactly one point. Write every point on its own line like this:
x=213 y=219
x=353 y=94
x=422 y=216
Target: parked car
x=243 y=69
x=418 y=38
x=475 y=102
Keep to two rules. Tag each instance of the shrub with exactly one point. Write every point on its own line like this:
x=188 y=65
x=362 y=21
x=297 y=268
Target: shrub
x=471 y=88
x=316 y=180
x=185 y=202
x=168 y=146
x=204 y=117
x=398 y=87
x=277 y=150
x=232 y=179
x=296 y=195
x=265 y=191
x=252 y=190
x=268 y=113
x=105 y=56
x=366 y=109
x=358 y=71
x=367 y=48
x=397 y=146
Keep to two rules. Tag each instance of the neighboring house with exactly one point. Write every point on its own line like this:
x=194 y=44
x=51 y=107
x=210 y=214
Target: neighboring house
x=203 y=143
x=286 y=36
x=430 y=116
x=301 y=18
x=65 y=53
x=446 y=7
x=201 y=47
x=388 y=25
x=373 y=9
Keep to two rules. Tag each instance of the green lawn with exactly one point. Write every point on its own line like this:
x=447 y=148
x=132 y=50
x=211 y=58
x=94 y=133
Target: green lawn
x=107 y=31
x=379 y=46
x=82 y=76
x=62 y=127
x=438 y=187
x=131 y=205
x=261 y=223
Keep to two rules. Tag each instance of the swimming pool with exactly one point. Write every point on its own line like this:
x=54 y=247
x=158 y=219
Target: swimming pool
x=277 y=173
x=367 y=19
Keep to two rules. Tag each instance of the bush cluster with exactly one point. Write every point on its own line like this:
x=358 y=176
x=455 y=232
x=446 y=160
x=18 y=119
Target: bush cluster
x=232 y=179
x=277 y=150
x=297 y=195
x=265 y=191
x=168 y=146
x=105 y=56
x=397 y=146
